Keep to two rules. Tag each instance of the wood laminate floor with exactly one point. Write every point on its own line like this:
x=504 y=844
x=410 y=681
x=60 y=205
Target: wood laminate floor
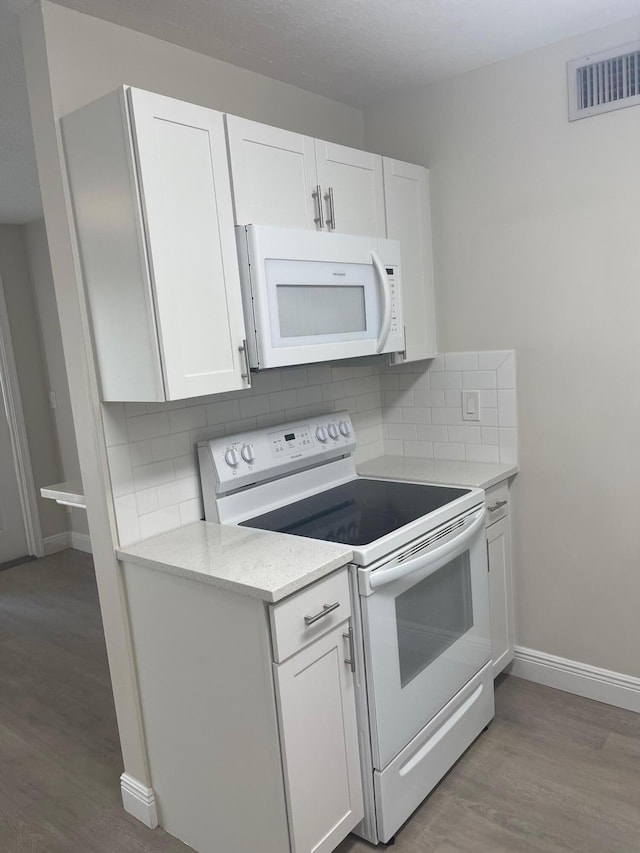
x=553 y=773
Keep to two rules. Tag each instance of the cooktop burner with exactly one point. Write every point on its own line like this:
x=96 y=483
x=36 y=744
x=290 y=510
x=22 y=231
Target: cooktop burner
x=357 y=512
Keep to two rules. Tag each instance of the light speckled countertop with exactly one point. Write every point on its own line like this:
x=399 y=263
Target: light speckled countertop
x=257 y=563
x=483 y=475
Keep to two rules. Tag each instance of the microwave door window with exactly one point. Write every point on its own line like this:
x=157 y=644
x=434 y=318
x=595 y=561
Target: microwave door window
x=312 y=311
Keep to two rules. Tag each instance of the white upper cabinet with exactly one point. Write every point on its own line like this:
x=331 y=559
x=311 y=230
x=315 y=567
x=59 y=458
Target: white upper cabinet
x=290 y=180
x=406 y=193
x=150 y=188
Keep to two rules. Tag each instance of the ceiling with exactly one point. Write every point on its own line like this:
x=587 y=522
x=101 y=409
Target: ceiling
x=355 y=51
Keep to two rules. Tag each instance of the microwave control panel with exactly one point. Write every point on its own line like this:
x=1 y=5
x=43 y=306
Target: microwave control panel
x=392 y=275
x=251 y=457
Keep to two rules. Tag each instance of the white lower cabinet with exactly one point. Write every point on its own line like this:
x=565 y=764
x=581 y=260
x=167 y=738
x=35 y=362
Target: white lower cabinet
x=248 y=712
x=500 y=577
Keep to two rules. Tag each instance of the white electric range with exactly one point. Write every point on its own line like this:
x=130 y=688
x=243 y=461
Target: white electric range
x=424 y=682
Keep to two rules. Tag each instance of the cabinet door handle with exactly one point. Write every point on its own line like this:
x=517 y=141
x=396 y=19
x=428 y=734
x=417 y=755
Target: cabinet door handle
x=317 y=197
x=246 y=376
x=331 y=215
x=326 y=609
x=497 y=505
x=351 y=660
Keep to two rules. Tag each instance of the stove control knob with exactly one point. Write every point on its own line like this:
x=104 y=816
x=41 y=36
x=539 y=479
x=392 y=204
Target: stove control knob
x=333 y=431
x=345 y=429
x=231 y=457
x=248 y=453
x=321 y=434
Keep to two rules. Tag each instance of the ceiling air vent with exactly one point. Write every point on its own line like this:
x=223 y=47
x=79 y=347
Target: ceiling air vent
x=604 y=81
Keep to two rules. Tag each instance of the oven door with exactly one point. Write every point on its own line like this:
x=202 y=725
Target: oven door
x=426 y=629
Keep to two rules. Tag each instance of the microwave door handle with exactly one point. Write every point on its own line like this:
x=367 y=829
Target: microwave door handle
x=385 y=294
x=382 y=577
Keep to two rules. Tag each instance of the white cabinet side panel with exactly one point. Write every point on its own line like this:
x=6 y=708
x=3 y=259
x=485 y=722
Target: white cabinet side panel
x=182 y=162
x=355 y=178
x=100 y=165
x=202 y=657
x=406 y=189
x=500 y=594
x=319 y=735
x=273 y=174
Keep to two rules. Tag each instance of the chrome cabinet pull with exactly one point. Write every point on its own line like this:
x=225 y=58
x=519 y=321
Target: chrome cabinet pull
x=351 y=660
x=243 y=349
x=326 y=609
x=317 y=197
x=498 y=505
x=331 y=217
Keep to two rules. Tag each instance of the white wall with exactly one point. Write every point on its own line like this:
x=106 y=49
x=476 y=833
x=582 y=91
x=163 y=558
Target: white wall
x=71 y=59
x=536 y=233
x=35 y=237
x=28 y=353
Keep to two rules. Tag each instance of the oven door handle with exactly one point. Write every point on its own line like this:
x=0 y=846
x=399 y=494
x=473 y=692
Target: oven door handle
x=382 y=577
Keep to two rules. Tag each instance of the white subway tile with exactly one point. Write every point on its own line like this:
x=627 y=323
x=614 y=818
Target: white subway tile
x=186 y=466
x=389 y=381
x=185 y=489
x=339 y=372
x=432 y=433
x=333 y=391
x=448 y=451
x=461 y=361
x=167 y=405
x=308 y=396
x=453 y=399
x=193 y=417
x=115 y=424
x=482 y=453
x=393 y=447
x=140 y=452
x=170 y=446
x=492 y=359
x=361 y=385
x=205 y=433
x=437 y=364
x=266 y=381
x=127 y=520
x=402 y=432
x=155 y=474
x=476 y=380
x=424 y=449
x=294 y=378
x=490 y=435
x=507 y=373
x=364 y=452
x=242 y=425
x=431 y=399
x=464 y=434
x=367 y=402
x=392 y=414
x=251 y=407
x=146 y=501
x=507 y=416
x=120 y=470
x=446 y=379
x=283 y=400
x=508 y=444
x=191 y=511
x=488 y=417
x=148 y=426
x=298 y=414
x=133 y=409
x=319 y=374
x=268 y=420
x=223 y=411
x=159 y=521
x=416 y=416
x=452 y=417
x=488 y=398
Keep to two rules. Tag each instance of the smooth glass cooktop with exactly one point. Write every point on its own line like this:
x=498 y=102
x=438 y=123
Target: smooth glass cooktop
x=358 y=512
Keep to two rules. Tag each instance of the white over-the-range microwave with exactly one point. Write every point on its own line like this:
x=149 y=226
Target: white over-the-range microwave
x=312 y=297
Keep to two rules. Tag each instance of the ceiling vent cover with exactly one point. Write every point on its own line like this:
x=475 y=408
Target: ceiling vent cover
x=604 y=81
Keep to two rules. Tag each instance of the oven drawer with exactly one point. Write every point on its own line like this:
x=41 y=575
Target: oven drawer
x=497 y=502
x=305 y=616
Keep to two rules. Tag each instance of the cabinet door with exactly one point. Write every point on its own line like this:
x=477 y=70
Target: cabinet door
x=317 y=718
x=273 y=173
x=186 y=197
x=406 y=190
x=355 y=180
x=500 y=594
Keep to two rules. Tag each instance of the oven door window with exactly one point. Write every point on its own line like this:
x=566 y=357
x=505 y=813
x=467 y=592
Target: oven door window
x=432 y=615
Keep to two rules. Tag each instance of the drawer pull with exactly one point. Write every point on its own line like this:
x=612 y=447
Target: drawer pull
x=326 y=609
x=498 y=505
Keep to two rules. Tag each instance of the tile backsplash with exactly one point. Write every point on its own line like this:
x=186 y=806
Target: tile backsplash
x=422 y=407
x=151 y=446
x=411 y=410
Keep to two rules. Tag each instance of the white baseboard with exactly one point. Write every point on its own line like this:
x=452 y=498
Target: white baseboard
x=81 y=542
x=58 y=542
x=603 y=685
x=139 y=801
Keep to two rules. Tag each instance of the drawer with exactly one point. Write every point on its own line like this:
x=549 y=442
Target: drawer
x=289 y=630
x=497 y=502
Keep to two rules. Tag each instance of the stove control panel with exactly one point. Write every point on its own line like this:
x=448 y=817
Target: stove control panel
x=250 y=457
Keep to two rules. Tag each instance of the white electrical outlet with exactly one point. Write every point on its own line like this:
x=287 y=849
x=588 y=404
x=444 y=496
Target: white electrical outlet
x=470 y=406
